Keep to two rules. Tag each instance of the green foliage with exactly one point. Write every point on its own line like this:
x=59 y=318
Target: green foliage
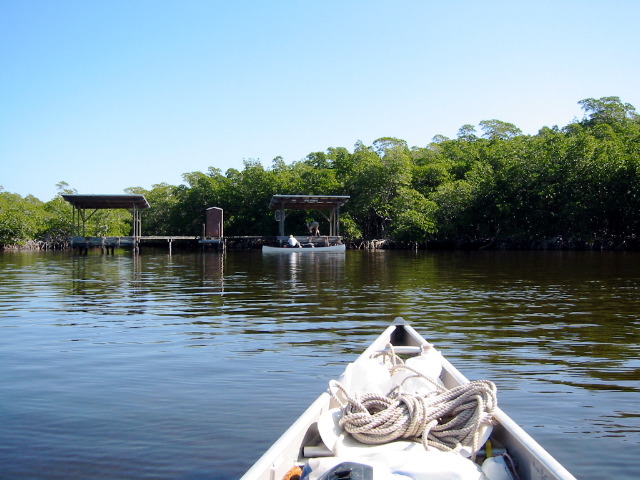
x=608 y=110
x=414 y=216
x=20 y=218
x=57 y=225
x=499 y=130
x=580 y=181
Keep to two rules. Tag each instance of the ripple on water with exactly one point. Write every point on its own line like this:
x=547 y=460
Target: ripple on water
x=190 y=365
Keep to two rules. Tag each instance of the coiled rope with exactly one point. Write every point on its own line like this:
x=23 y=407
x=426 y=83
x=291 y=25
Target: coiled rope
x=444 y=419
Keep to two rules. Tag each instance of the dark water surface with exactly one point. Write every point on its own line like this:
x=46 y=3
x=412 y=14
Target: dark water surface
x=189 y=366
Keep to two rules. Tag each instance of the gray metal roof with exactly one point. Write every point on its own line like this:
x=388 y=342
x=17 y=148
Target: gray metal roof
x=107 y=201
x=307 y=202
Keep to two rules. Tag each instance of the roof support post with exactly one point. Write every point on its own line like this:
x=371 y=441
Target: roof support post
x=73 y=221
x=137 y=229
x=281 y=219
x=332 y=222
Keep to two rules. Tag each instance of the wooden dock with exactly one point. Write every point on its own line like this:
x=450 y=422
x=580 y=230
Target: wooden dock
x=107 y=245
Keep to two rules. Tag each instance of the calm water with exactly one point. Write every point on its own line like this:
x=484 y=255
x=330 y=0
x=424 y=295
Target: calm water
x=189 y=366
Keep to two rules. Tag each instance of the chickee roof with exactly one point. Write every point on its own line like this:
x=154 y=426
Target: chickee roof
x=107 y=201
x=307 y=202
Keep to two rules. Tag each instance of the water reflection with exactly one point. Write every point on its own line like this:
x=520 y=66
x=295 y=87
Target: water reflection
x=199 y=338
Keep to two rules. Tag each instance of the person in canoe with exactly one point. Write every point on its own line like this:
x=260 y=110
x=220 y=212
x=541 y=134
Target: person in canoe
x=314 y=229
x=293 y=242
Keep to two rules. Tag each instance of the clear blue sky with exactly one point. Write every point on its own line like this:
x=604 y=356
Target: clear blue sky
x=111 y=94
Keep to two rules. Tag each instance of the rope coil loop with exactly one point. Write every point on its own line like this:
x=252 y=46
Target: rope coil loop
x=444 y=419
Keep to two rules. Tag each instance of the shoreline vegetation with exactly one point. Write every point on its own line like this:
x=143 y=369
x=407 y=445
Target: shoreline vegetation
x=479 y=244
x=572 y=188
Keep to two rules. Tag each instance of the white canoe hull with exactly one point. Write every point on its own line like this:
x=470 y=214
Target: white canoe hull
x=332 y=248
x=533 y=462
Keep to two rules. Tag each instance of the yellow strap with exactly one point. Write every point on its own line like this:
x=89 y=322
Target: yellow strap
x=488 y=449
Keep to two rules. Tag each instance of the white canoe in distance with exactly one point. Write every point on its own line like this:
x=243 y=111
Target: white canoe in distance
x=288 y=250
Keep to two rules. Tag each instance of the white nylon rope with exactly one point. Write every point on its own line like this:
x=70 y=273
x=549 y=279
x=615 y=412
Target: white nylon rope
x=444 y=419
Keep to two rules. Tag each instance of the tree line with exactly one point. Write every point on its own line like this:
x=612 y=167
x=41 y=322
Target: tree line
x=491 y=184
